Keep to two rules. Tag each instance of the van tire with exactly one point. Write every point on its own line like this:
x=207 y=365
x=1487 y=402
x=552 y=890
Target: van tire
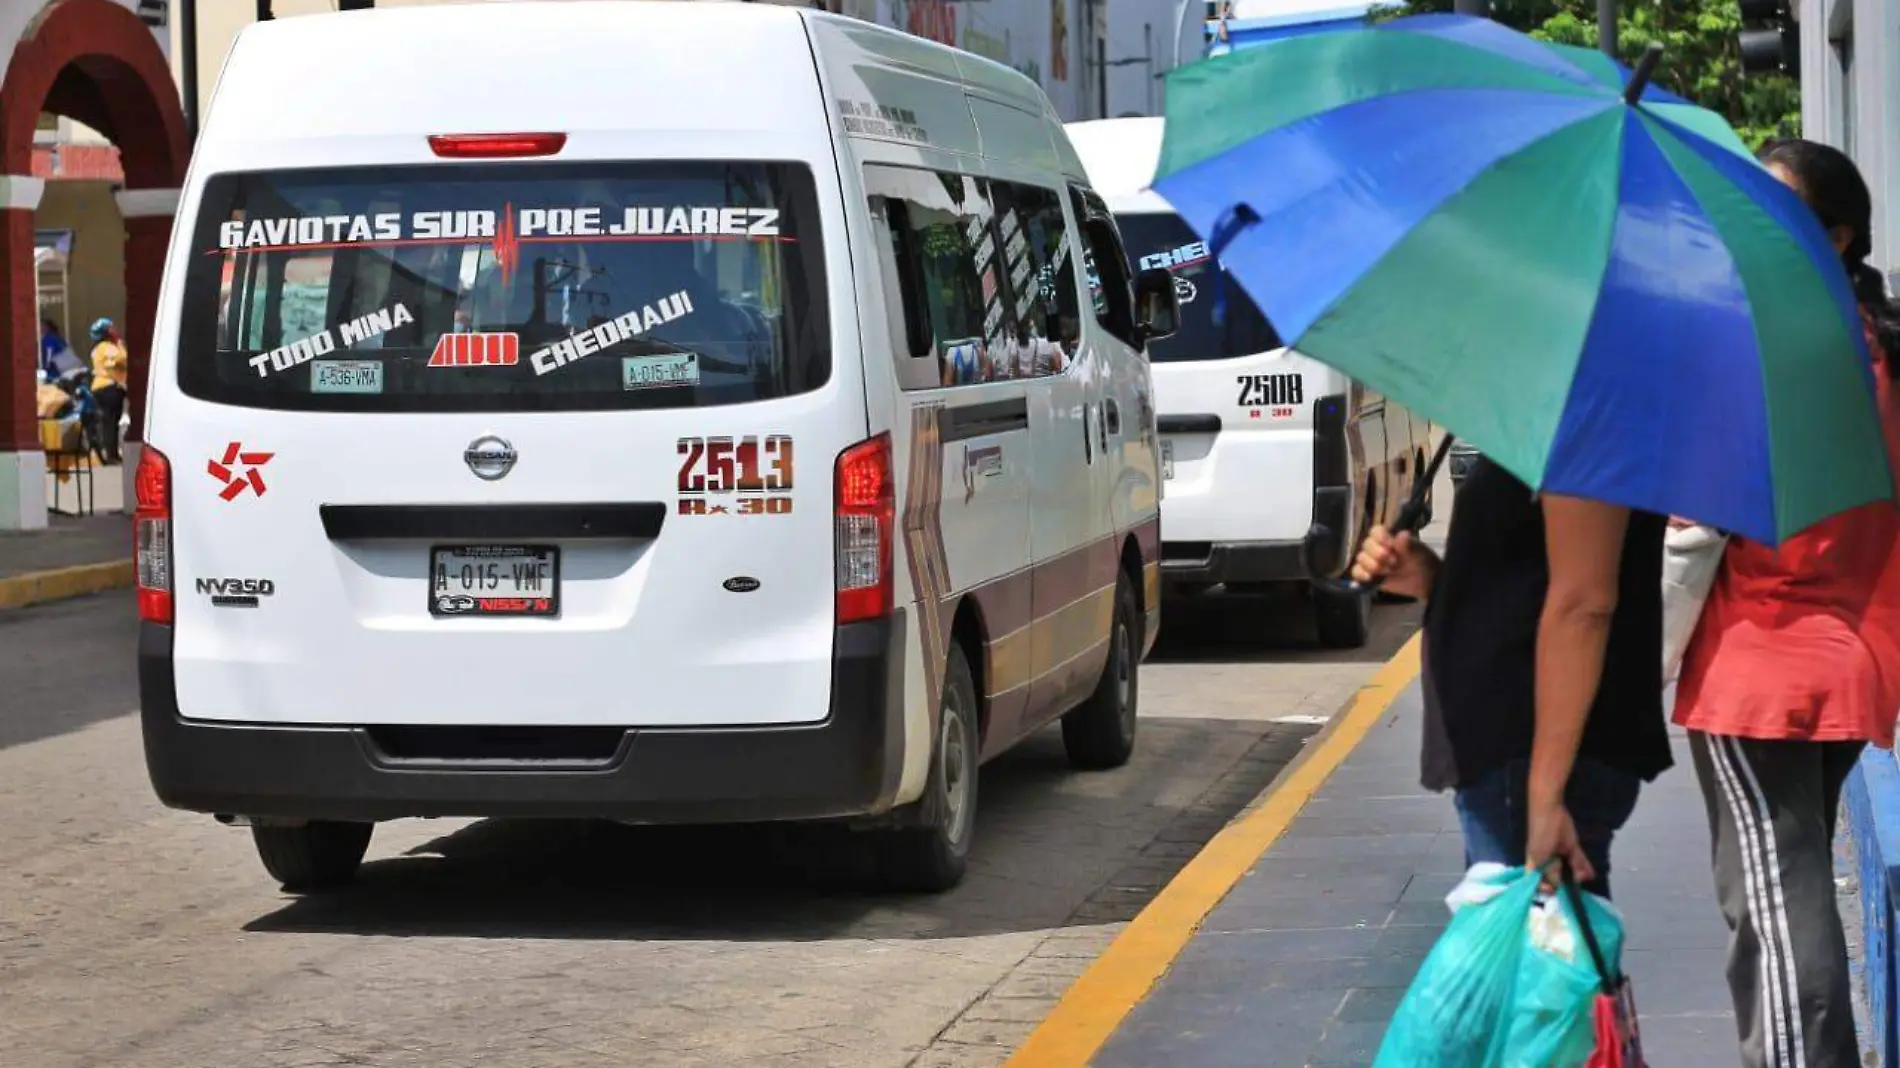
x=1099 y=733
x=1342 y=616
x=930 y=854
x=319 y=855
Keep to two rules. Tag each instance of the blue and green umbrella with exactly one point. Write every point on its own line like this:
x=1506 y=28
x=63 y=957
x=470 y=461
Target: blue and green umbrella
x=1584 y=276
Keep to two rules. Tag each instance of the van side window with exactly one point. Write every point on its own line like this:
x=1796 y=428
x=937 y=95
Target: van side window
x=1041 y=274
x=1111 y=286
x=947 y=264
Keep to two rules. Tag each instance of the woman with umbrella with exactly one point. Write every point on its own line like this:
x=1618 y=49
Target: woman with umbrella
x=1544 y=713
x=1794 y=668
x=1595 y=284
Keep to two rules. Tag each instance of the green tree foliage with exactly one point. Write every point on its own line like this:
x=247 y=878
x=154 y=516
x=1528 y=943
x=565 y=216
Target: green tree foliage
x=1700 y=58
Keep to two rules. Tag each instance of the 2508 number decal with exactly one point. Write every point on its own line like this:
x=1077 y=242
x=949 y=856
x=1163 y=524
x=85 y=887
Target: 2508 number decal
x=1261 y=391
x=736 y=476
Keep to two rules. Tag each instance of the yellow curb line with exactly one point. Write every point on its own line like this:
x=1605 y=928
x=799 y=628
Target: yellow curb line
x=1088 y=1014
x=39 y=587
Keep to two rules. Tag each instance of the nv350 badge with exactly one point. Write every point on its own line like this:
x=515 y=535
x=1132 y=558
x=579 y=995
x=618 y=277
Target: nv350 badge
x=236 y=592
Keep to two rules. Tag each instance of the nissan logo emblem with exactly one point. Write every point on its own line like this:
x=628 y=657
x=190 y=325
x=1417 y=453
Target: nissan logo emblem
x=489 y=457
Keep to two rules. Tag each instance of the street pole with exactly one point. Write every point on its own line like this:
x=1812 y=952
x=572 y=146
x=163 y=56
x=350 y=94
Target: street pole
x=1180 y=21
x=1148 y=49
x=188 y=59
x=1606 y=27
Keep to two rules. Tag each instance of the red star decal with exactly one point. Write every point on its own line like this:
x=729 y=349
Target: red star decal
x=226 y=470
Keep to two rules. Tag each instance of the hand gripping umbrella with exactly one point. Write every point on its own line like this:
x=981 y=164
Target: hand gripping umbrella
x=1584 y=276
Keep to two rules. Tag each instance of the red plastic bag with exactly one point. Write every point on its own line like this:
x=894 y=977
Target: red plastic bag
x=1619 y=1042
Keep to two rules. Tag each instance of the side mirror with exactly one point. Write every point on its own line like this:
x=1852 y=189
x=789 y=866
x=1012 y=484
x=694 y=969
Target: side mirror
x=1157 y=307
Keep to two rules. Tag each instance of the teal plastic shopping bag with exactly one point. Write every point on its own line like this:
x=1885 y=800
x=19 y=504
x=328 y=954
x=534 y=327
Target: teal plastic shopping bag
x=1551 y=1022
x=1515 y=981
x=1453 y=1015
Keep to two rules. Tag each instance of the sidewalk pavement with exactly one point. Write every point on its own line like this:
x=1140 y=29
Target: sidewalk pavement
x=70 y=558
x=1303 y=962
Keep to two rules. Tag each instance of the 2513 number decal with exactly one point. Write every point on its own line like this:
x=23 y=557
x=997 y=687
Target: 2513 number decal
x=736 y=476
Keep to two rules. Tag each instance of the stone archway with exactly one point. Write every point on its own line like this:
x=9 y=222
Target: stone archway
x=95 y=62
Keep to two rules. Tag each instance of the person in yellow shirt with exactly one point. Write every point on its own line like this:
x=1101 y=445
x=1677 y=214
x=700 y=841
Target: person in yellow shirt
x=109 y=371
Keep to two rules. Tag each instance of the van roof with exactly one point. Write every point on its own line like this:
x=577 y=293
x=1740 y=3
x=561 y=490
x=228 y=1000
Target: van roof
x=1121 y=156
x=907 y=51
x=945 y=99
x=365 y=87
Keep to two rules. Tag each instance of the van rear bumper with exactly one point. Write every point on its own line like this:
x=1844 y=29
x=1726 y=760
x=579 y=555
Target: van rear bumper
x=847 y=765
x=1210 y=563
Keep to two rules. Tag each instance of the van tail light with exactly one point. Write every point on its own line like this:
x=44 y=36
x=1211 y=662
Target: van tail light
x=867 y=522
x=496 y=146
x=152 y=534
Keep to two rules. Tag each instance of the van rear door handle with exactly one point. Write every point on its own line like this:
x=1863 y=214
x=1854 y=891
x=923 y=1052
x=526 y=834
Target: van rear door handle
x=1114 y=414
x=632 y=520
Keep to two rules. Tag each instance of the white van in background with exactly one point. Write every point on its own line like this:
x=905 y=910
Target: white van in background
x=1260 y=445
x=637 y=444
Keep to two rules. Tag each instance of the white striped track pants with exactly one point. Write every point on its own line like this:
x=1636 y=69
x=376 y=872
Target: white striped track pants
x=1772 y=808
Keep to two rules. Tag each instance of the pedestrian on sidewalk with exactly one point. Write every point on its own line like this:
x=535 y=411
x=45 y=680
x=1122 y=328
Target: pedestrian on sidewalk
x=1543 y=684
x=109 y=364
x=51 y=345
x=1794 y=667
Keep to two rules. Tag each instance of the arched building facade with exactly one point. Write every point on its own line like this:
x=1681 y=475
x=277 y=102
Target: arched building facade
x=99 y=63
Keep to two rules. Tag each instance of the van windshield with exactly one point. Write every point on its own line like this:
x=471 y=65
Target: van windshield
x=1161 y=239
x=507 y=287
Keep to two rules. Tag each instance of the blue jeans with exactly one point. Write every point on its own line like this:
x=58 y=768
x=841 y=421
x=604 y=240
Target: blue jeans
x=1491 y=812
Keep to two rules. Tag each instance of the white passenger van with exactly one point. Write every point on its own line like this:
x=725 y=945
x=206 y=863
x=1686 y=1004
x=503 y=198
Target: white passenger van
x=636 y=439
x=1272 y=462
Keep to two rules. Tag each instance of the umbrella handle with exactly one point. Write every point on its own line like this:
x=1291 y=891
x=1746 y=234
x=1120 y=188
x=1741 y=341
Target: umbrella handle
x=1645 y=69
x=1411 y=514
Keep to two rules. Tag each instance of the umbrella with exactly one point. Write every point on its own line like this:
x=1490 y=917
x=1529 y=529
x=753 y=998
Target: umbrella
x=1582 y=275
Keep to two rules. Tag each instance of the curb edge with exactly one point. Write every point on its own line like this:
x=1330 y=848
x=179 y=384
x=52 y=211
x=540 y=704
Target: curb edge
x=59 y=584
x=1094 y=1006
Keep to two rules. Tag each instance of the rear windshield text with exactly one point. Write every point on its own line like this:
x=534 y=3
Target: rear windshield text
x=495 y=288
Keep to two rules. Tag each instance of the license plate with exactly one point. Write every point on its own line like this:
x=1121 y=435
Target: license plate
x=346 y=376
x=494 y=580
x=657 y=372
x=1167 y=460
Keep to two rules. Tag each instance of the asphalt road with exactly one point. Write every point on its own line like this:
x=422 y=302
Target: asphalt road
x=65 y=666
x=131 y=935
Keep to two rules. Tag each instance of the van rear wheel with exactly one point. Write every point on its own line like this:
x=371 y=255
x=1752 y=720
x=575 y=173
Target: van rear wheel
x=930 y=853
x=319 y=855
x=1099 y=733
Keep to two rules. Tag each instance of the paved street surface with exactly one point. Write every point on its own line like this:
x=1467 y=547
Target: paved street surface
x=135 y=936
x=66 y=542
x=1309 y=955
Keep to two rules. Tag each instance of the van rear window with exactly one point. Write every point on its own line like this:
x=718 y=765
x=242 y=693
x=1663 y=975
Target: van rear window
x=1163 y=240
x=507 y=287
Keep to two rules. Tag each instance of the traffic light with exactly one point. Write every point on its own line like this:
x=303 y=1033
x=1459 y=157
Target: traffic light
x=1770 y=41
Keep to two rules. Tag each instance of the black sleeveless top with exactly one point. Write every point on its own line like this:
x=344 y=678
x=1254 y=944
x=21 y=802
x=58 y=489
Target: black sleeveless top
x=1481 y=641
